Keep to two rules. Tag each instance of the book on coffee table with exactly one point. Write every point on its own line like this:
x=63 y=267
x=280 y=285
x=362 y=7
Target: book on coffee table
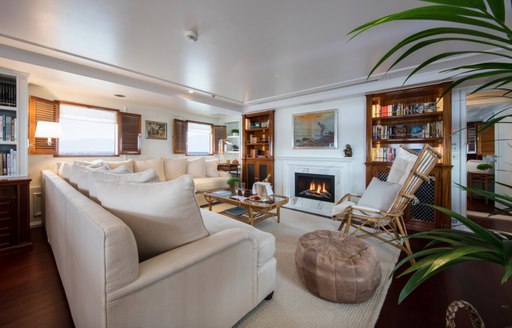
x=236 y=210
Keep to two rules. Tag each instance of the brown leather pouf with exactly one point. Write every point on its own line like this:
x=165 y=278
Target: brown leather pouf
x=337 y=267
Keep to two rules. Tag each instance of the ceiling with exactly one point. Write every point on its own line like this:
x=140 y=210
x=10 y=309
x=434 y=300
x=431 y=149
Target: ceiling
x=248 y=52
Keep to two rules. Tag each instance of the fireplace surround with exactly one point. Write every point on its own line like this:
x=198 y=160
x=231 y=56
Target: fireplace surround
x=319 y=187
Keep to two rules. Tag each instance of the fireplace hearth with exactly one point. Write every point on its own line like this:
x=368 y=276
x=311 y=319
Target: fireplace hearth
x=315 y=186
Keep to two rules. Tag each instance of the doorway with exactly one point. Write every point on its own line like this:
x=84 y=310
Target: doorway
x=488 y=152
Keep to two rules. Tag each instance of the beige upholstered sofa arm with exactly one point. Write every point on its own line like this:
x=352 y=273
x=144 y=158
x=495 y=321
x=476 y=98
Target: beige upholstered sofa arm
x=165 y=265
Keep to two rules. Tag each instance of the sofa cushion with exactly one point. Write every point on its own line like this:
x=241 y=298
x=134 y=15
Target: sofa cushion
x=128 y=164
x=266 y=242
x=92 y=164
x=156 y=164
x=207 y=184
x=87 y=187
x=175 y=167
x=211 y=167
x=76 y=175
x=197 y=168
x=162 y=215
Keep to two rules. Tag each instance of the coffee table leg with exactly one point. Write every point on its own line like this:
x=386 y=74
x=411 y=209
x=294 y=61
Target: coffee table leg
x=278 y=212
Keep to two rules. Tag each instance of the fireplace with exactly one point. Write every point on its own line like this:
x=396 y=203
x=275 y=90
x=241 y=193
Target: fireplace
x=315 y=186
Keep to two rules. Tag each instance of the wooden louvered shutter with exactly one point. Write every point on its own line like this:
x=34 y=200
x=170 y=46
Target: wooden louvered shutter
x=129 y=133
x=41 y=110
x=179 y=138
x=219 y=132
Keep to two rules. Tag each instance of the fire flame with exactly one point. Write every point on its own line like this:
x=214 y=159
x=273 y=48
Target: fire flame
x=318 y=188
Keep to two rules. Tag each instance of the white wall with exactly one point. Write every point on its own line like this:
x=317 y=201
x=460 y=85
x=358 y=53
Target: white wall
x=351 y=130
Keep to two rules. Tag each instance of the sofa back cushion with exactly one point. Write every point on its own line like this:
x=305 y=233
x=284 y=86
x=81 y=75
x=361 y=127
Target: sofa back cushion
x=197 y=168
x=162 y=215
x=138 y=177
x=211 y=167
x=175 y=168
x=128 y=164
x=156 y=164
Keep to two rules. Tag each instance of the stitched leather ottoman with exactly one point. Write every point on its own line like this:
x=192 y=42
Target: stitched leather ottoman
x=337 y=267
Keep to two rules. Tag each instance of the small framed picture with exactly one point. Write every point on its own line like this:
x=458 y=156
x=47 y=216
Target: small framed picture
x=156 y=130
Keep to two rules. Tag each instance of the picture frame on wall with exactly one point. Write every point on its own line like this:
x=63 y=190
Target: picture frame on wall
x=316 y=130
x=156 y=130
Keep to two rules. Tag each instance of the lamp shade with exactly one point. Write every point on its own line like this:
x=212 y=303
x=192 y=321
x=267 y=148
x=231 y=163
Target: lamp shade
x=48 y=130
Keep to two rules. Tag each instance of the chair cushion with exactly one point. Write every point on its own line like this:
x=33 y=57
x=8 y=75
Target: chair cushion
x=162 y=216
x=156 y=164
x=266 y=242
x=402 y=166
x=207 y=184
x=197 y=168
x=338 y=208
x=379 y=195
x=128 y=164
x=175 y=167
x=211 y=167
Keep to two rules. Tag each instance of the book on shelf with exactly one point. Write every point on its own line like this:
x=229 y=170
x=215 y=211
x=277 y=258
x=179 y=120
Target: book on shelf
x=9 y=162
x=400 y=109
x=417 y=131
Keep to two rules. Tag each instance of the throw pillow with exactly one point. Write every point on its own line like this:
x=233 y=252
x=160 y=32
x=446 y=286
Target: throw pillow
x=175 y=167
x=138 y=177
x=402 y=166
x=156 y=164
x=211 y=167
x=379 y=195
x=128 y=164
x=162 y=216
x=92 y=164
x=197 y=168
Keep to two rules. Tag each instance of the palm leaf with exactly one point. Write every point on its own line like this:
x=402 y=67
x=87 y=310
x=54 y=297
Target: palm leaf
x=476 y=4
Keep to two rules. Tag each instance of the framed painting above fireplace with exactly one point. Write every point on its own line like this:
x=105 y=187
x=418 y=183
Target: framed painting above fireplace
x=315 y=129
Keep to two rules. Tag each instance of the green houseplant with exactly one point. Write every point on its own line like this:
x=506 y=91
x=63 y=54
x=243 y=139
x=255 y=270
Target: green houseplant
x=476 y=23
x=231 y=182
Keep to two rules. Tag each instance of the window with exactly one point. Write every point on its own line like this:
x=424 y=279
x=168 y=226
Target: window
x=196 y=138
x=199 y=139
x=87 y=131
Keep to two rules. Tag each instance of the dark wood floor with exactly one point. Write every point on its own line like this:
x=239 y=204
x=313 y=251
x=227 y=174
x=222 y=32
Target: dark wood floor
x=31 y=294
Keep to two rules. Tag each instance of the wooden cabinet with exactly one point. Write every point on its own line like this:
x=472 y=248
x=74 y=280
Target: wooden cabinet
x=14 y=215
x=485 y=140
x=257 y=147
x=412 y=117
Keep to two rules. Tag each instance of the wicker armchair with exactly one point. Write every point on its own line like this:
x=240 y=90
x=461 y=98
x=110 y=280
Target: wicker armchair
x=387 y=224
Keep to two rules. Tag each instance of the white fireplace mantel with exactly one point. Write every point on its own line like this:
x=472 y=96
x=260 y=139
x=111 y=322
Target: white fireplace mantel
x=288 y=166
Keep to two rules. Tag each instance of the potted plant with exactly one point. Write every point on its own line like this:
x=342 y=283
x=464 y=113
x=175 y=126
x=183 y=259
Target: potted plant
x=473 y=22
x=232 y=182
x=235 y=132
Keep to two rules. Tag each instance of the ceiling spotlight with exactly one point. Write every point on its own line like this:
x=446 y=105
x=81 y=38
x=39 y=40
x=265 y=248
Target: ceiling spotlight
x=191 y=36
x=191 y=91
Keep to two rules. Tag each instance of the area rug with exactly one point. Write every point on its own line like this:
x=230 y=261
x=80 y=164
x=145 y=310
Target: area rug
x=293 y=305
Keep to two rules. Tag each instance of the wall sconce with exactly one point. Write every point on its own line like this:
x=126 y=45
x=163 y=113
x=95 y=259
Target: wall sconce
x=48 y=130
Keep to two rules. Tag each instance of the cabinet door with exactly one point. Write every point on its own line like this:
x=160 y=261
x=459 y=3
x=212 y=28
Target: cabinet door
x=255 y=170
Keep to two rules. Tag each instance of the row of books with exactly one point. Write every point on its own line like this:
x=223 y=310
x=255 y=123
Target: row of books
x=402 y=131
x=9 y=162
x=7 y=128
x=379 y=110
x=388 y=154
x=7 y=94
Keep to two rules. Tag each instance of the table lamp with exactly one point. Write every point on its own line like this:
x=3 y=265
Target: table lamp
x=48 y=130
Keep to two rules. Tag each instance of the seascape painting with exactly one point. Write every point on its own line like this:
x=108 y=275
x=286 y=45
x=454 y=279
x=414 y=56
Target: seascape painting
x=315 y=130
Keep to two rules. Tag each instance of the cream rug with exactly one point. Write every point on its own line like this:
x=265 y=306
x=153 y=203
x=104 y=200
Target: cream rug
x=293 y=305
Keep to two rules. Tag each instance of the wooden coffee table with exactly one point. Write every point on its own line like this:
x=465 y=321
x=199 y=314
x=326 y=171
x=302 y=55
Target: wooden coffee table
x=255 y=211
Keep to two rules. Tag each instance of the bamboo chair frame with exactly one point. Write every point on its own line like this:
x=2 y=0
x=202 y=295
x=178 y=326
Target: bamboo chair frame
x=374 y=223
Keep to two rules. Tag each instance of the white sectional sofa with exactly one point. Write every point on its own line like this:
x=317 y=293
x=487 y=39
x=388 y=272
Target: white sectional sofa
x=212 y=281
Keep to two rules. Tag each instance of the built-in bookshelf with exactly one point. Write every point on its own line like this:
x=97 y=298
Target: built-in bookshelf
x=13 y=123
x=412 y=117
x=257 y=147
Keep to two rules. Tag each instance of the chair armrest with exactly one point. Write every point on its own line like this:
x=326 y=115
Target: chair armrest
x=348 y=197
x=182 y=258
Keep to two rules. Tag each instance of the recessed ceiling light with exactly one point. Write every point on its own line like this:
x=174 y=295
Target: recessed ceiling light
x=119 y=95
x=191 y=91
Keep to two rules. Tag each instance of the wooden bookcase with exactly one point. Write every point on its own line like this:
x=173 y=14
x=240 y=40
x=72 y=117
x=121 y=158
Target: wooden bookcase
x=257 y=147
x=412 y=117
